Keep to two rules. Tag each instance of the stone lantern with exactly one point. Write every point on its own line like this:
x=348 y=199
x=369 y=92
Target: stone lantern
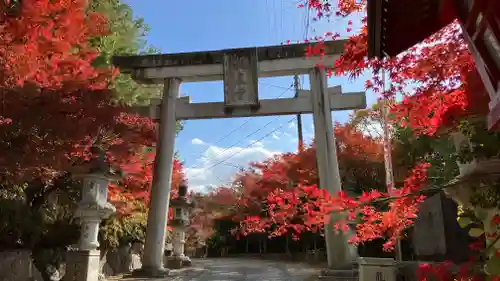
x=181 y=208
x=83 y=262
x=93 y=208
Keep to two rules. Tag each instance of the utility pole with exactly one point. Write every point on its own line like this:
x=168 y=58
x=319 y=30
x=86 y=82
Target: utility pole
x=296 y=84
x=389 y=171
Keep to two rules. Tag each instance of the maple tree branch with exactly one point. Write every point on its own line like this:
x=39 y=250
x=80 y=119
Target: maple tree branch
x=433 y=189
x=490 y=246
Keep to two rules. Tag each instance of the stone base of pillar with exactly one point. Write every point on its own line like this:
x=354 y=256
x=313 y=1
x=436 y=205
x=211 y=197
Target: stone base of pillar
x=149 y=271
x=82 y=266
x=344 y=273
x=186 y=261
x=175 y=262
x=339 y=275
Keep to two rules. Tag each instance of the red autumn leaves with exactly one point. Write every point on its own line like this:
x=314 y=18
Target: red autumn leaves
x=47 y=43
x=308 y=208
x=436 y=79
x=281 y=195
x=54 y=102
x=437 y=85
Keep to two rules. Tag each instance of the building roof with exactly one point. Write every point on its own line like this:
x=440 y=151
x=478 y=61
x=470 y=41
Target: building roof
x=396 y=25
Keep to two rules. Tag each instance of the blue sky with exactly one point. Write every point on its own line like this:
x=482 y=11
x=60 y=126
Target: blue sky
x=213 y=150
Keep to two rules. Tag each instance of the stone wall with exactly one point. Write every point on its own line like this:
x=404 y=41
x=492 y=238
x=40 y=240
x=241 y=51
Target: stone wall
x=17 y=266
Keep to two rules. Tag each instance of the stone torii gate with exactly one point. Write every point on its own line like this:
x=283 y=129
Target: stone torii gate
x=240 y=70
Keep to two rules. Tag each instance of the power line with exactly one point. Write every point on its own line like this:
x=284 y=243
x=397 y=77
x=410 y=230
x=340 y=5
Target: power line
x=233 y=165
x=296 y=83
x=274 y=21
x=269 y=18
x=281 y=18
x=307 y=26
x=239 y=141
x=246 y=121
x=247 y=136
x=307 y=21
x=273 y=24
x=275 y=86
x=250 y=145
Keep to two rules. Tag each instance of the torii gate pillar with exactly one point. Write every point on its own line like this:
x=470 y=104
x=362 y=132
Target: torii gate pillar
x=152 y=264
x=339 y=253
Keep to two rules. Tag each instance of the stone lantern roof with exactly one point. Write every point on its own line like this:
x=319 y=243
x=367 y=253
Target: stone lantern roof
x=181 y=200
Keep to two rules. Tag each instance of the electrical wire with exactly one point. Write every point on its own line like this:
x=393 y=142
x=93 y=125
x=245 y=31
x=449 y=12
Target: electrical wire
x=247 y=136
x=273 y=23
x=247 y=120
x=251 y=144
x=307 y=25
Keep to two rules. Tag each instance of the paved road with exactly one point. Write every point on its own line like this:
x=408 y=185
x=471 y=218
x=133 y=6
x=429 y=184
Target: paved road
x=229 y=269
x=240 y=269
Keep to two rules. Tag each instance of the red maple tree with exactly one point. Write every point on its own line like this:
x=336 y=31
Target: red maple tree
x=46 y=43
x=289 y=182
x=445 y=89
x=54 y=103
x=217 y=204
x=136 y=183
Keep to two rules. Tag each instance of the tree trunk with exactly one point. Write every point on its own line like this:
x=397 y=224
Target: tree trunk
x=287 y=245
x=305 y=246
x=42 y=268
x=260 y=245
x=265 y=244
x=102 y=262
x=246 y=245
x=48 y=262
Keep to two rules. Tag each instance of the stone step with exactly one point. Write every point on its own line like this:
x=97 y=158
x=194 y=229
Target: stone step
x=339 y=275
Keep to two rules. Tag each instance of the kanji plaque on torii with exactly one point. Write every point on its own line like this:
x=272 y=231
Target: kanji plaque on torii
x=240 y=79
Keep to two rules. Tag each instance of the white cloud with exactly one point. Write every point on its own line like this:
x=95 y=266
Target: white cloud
x=197 y=141
x=372 y=129
x=257 y=144
x=218 y=165
x=275 y=136
x=308 y=134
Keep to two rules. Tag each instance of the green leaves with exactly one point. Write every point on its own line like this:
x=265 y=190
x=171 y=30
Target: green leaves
x=492 y=267
x=481 y=214
x=464 y=221
x=476 y=232
x=126 y=37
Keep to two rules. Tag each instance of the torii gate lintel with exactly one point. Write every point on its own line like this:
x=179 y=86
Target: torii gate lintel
x=186 y=110
x=282 y=60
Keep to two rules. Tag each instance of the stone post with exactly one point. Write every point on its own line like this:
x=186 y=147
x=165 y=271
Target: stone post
x=154 y=248
x=83 y=263
x=339 y=253
x=378 y=269
x=181 y=221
